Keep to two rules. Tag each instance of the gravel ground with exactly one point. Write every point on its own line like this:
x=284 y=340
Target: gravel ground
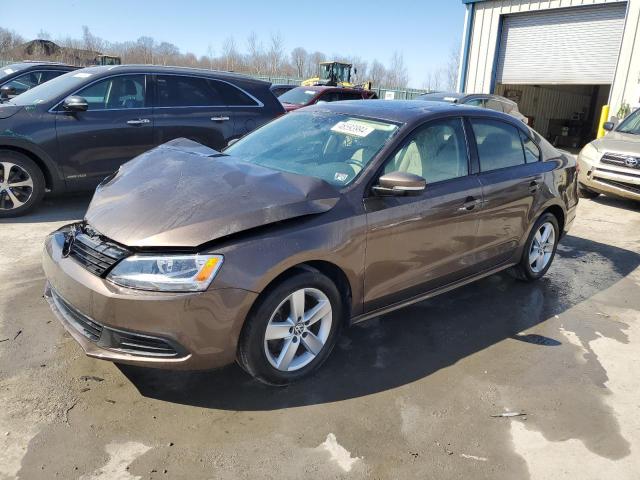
x=411 y=394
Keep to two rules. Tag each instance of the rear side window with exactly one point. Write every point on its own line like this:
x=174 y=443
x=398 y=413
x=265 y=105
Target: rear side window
x=494 y=105
x=123 y=91
x=232 y=96
x=179 y=91
x=476 y=102
x=508 y=107
x=49 y=74
x=531 y=150
x=499 y=144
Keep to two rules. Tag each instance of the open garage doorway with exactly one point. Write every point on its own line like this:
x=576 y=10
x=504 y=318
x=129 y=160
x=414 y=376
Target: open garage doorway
x=566 y=115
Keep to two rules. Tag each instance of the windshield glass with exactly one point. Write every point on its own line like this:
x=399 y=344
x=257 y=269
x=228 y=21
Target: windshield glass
x=330 y=146
x=52 y=89
x=631 y=124
x=11 y=69
x=298 y=96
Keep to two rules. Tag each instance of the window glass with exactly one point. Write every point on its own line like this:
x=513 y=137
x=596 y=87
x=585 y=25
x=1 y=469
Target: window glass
x=494 y=105
x=231 y=95
x=531 y=150
x=476 y=102
x=436 y=152
x=24 y=82
x=508 y=107
x=179 y=91
x=499 y=144
x=298 y=96
x=329 y=146
x=124 y=91
x=49 y=74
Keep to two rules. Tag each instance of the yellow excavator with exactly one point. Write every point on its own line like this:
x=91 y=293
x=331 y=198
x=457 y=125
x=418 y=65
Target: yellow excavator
x=334 y=74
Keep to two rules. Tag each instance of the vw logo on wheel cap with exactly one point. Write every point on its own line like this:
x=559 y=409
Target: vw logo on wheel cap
x=632 y=162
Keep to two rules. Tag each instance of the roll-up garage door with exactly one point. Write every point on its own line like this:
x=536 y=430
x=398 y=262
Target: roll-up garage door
x=564 y=46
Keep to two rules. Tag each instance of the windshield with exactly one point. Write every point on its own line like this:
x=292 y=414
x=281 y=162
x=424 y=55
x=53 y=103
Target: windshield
x=298 y=96
x=11 y=69
x=52 y=89
x=329 y=146
x=631 y=124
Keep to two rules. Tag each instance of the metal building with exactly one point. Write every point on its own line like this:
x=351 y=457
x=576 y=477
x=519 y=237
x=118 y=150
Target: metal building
x=560 y=60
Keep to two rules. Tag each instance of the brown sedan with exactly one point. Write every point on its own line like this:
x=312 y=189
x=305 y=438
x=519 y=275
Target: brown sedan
x=191 y=258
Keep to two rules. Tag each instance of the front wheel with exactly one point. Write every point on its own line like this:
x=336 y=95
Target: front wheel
x=292 y=329
x=539 y=250
x=21 y=184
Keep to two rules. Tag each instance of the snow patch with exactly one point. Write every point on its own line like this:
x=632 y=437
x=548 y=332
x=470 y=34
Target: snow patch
x=121 y=455
x=338 y=453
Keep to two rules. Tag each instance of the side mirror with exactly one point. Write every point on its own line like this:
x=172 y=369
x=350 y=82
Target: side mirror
x=7 y=92
x=75 y=104
x=608 y=126
x=399 y=183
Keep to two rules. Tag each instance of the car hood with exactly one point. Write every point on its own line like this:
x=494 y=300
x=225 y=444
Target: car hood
x=8 y=110
x=617 y=142
x=183 y=194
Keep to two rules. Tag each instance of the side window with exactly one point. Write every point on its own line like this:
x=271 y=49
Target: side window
x=124 y=91
x=531 y=150
x=499 y=144
x=508 y=107
x=436 y=151
x=350 y=96
x=476 y=102
x=232 y=96
x=50 y=74
x=179 y=91
x=494 y=105
x=24 y=82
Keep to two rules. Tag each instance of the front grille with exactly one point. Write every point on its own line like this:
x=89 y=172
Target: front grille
x=80 y=321
x=620 y=160
x=94 y=253
x=634 y=188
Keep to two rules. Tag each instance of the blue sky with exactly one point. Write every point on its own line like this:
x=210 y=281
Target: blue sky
x=424 y=31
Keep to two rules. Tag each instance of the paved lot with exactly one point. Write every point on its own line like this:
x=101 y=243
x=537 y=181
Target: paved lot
x=408 y=395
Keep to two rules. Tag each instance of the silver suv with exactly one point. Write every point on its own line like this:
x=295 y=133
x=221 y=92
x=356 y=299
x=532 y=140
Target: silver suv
x=611 y=164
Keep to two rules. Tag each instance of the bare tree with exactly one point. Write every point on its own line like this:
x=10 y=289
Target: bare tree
x=210 y=56
x=299 y=60
x=377 y=73
x=256 y=57
x=166 y=53
x=312 y=65
x=43 y=35
x=451 y=69
x=275 y=53
x=230 y=54
x=397 y=76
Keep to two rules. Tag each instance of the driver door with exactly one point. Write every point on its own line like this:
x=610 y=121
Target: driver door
x=416 y=243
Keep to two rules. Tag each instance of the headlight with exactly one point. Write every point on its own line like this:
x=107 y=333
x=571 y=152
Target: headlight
x=167 y=273
x=590 y=153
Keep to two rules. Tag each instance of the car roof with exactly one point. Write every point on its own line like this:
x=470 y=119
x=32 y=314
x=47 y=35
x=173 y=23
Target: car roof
x=231 y=76
x=457 y=96
x=323 y=88
x=25 y=65
x=403 y=111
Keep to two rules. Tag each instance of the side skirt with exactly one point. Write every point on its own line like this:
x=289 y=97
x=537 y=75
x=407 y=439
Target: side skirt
x=429 y=294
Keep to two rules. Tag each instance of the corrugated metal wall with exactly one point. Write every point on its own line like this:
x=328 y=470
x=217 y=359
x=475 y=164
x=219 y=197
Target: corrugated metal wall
x=486 y=29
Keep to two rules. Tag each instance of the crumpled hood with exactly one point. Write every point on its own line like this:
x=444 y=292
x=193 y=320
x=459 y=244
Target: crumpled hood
x=617 y=142
x=183 y=194
x=8 y=110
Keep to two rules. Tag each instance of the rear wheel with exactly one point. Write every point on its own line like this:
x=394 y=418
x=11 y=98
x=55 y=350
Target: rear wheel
x=584 y=192
x=292 y=330
x=539 y=250
x=21 y=184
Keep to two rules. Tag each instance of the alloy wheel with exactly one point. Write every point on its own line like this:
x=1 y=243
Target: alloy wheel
x=16 y=186
x=298 y=329
x=542 y=247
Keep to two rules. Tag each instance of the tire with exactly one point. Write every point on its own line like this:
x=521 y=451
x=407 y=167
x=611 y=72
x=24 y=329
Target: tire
x=18 y=200
x=584 y=192
x=530 y=271
x=259 y=356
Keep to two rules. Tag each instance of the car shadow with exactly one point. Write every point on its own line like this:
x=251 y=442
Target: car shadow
x=617 y=202
x=414 y=342
x=56 y=209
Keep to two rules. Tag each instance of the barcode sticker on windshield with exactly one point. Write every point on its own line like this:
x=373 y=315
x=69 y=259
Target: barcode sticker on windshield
x=82 y=75
x=8 y=71
x=351 y=127
x=310 y=92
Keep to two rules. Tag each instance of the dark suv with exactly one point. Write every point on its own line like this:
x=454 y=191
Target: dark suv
x=17 y=78
x=73 y=131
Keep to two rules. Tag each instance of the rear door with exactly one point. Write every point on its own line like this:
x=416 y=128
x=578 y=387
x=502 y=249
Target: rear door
x=511 y=176
x=416 y=243
x=116 y=127
x=191 y=107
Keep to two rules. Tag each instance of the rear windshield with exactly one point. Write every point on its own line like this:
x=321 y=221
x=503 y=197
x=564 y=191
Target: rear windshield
x=330 y=146
x=298 y=96
x=52 y=89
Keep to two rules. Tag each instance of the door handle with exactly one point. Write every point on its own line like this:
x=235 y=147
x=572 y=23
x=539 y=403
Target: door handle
x=219 y=119
x=469 y=204
x=534 y=185
x=140 y=121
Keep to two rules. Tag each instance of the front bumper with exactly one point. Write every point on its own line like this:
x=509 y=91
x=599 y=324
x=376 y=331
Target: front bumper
x=609 y=179
x=188 y=331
